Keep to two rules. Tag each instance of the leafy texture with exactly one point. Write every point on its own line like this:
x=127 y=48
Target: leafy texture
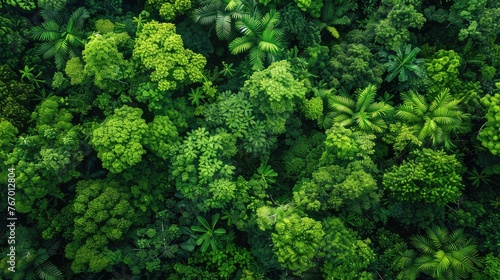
x=260 y=37
x=490 y=132
x=438 y=119
x=161 y=50
x=363 y=113
x=102 y=215
x=297 y=241
x=441 y=255
x=118 y=139
x=63 y=37
x=431 y=176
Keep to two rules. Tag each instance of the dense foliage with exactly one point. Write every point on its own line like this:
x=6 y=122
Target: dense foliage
x=250 y=139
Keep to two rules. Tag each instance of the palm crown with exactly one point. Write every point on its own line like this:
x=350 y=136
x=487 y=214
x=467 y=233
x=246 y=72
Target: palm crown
x=436 y=120
x=441 y=255
x=364 y=112
x=222 y=13
x=63 y=38
x=405 y=65
x=260 y=37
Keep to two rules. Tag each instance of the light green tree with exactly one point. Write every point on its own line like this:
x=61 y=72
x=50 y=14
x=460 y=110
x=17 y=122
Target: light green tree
x=490 y=132
x=160 y=49
x=102 y=215
x=274 y=93
x=105 y=63
x=297 y=241
x=118 y=139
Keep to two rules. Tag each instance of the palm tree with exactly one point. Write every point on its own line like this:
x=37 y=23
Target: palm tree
x=222 y=13
x=260 y=37
x=440 y=255
x=364 y=112
x=63 y=37
x=404 y=64
x=436 y=120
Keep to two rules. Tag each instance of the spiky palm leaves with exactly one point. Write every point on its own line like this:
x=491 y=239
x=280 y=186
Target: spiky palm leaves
x=441 y=255
x=63 y=37
x=222 y=13
x=260 y=37
x=405 y=65
x=367 y=115
x=436 y=120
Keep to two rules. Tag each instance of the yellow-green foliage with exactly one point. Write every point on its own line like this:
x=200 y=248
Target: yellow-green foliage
x=275 y=93
x=161 y=50
x=74 y=70
x=118 y=139
x=297 y=241
x=105 y=63
x=490 y=134
x=104 y=26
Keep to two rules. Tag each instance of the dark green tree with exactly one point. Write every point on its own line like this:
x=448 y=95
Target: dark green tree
x=363 y=113
x=437 y=119
x=261 y=38
x=63 y=37
x=440 y=254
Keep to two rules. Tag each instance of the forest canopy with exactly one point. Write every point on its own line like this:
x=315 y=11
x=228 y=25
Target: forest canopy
x=250 y=139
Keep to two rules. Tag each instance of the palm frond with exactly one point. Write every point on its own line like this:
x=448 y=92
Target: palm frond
x=207 y=15
x=270 y=42
x=77 y=20
x=49 y=271
x=416 y=100
x=271 y=19
x=366 y=97
x=423 y=244
x=341 y=104
x=248 y=25
x=257 y=59
x=47 y=50
x=441 y=100
x=446 y=118
x=379 y=109
x=52 y=15
x=223 y=25
x=407 y=113
x=47 y=31
x=240 y=45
